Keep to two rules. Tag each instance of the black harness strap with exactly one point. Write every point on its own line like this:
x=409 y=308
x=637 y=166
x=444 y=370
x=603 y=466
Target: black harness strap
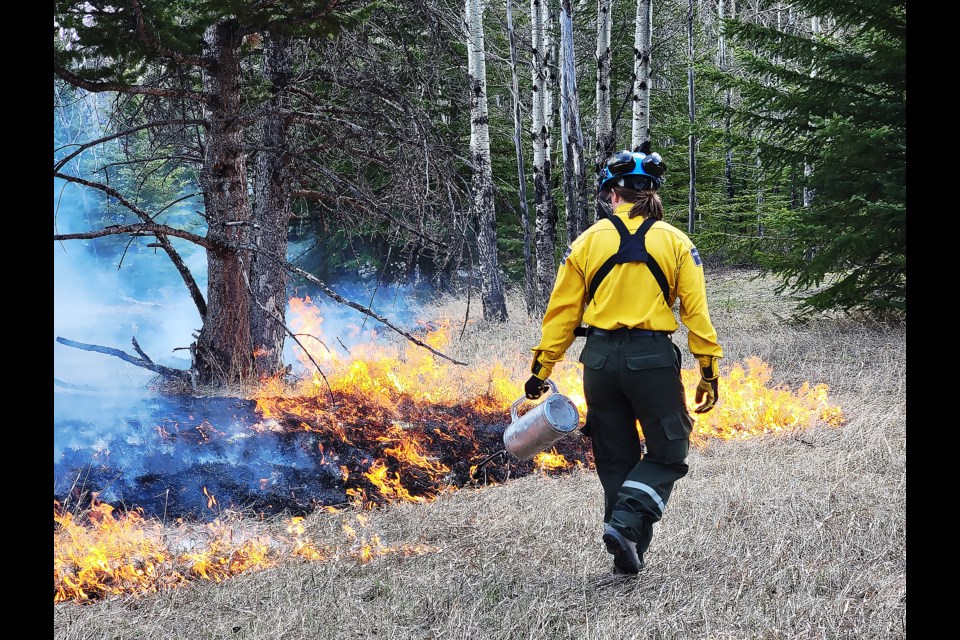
x=632 y=249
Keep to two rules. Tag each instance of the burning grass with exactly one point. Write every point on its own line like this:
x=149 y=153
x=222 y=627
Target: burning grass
x=768 y=536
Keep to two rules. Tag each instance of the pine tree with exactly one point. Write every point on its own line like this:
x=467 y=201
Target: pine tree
x=836 y=101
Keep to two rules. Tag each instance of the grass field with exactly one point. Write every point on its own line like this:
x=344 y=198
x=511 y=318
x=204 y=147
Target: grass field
x=792 y=536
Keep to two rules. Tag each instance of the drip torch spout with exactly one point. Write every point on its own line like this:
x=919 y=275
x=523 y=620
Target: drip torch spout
x=476 y=472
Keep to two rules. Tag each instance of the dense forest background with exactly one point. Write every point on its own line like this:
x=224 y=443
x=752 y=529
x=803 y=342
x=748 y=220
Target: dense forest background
x=253 y=146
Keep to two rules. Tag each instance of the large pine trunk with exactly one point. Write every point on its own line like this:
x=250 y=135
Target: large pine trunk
x=484 y=214
x=573 y=161
x=222 y=353
x=271 y=216
x=545 y=234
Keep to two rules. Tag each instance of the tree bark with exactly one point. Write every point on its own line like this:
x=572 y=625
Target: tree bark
x=529 y=260
x=691 y=105
x=484 y=214
x=223 y=351
x=642 y=46
x=808 y=192
x=271 y=215
x=545 y=234
x=606 y=140
x=573 y=160
x=727 y=99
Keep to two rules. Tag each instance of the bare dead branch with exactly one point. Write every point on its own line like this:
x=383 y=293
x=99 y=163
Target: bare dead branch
x=362 y=309
x=138 y=229
x=86 y=145
x=99 y=87
x=148 y=227
x=166 y=372
x=136 y=347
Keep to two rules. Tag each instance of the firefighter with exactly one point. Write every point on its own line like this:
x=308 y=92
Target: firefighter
x=620 y=278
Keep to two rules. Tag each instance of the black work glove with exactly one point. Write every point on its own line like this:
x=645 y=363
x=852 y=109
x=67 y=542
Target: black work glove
x=535 y=387
x=708 y=390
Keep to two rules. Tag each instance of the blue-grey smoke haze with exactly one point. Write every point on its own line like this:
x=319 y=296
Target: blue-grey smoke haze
x=108 y=420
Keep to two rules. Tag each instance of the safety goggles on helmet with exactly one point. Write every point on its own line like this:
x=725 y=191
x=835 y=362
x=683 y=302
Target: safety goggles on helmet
x=634 y=170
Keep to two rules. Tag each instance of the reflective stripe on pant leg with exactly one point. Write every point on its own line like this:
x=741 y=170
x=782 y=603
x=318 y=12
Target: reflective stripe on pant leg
x=651 y=378
x=612 y=423
x=643 y=499
x=649 y=491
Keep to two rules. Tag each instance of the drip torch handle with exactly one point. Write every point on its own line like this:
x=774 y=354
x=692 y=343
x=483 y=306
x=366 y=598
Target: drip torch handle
x=519 y=401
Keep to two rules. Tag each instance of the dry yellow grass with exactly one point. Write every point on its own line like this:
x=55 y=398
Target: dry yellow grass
x=779 y=537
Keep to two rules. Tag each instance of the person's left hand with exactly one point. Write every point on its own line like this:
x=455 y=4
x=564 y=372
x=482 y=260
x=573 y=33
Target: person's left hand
x=535 y=387
x=708 y=390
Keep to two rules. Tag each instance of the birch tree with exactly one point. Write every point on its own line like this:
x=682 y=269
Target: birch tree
x=808 y=191
x=573 y=161
x=727 y=100
x=691 y=107
x=606 y=140
x=642 y=48
x=529 y=259
x=482 y=204
x=545 y=235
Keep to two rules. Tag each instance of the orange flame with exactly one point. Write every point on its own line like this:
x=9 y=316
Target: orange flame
x=99 y=555
x=550 y=461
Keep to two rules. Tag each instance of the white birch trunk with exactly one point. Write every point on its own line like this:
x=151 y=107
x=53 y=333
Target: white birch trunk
x=545 y=233
x=573 y=160
x=642 y=46
x=807 y=167
x=604 y=123
x=727 y=100
x=691 y=105
x=484 y=214
x=529 y=265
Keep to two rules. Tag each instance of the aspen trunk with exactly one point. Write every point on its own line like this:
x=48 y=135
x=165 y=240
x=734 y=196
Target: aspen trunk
x=529 y=264
x=691 y=105
x=484 y=214
x=573 y=160
x=545 y=232
x=727 y=100
x=606 y=139
x=642 y=45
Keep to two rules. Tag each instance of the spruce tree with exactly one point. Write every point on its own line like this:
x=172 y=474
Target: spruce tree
x=834 y=101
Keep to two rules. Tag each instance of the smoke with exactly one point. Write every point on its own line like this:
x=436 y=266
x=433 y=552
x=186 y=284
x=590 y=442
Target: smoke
x=117 y=437
x=113 y=433
x=104 y=299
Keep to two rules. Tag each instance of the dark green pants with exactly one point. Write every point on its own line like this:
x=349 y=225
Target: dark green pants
x=626 y=381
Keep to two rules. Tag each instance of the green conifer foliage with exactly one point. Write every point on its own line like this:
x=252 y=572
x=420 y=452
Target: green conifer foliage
x=834 y=101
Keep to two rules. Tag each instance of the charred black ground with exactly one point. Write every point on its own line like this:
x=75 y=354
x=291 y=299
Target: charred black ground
x=191 y=458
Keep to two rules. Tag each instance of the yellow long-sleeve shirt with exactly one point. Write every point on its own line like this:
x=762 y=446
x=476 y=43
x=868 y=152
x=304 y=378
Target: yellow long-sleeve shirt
x=629 y=295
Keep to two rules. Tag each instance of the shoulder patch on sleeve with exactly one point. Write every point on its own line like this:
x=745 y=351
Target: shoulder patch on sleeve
x=696 y=256
x=566 y=255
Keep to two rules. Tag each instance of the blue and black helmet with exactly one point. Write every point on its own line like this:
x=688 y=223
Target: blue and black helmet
x=638 y=170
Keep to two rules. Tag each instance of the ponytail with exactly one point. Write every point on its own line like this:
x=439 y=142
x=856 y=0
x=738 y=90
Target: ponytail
x=646 y=203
